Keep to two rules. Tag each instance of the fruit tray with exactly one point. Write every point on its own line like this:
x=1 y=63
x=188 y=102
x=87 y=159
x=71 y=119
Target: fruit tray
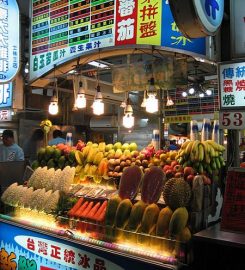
x=149 y=246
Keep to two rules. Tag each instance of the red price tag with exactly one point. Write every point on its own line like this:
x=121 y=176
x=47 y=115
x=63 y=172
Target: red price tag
x=232 y=120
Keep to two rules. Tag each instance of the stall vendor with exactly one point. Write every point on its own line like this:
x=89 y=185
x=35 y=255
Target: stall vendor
x=9 y=150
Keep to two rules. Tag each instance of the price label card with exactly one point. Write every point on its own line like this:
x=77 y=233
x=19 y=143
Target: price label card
x=232 y=120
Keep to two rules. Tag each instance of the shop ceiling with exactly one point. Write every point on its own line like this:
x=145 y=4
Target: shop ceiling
x=197 y=71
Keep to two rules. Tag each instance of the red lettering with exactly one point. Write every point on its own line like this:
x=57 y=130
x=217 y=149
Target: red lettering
x=55 y=252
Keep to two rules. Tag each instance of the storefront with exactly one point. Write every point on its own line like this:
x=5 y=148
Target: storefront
x=82 y=203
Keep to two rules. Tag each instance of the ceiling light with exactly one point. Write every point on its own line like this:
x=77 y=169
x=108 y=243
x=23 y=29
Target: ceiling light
x=53 y=106
x=98 y=105
x=128 y=118
x=191 y=91
x=184 y=94
x=151 y=104
x=81 y=99
x=98 y=64
x=169 y=101
x=209 y=92
x=201 y=95
x=151 y=101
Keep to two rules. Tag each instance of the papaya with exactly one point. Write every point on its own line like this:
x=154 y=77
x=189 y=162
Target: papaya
x=136 y=216
x=163 y=221
x=130 y=182
x=178 y=221
x=123 y=213
x=111 y=210
x=149 y=218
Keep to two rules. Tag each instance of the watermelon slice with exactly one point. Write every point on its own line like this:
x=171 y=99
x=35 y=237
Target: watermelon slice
x=153 y=182
x=130 y=182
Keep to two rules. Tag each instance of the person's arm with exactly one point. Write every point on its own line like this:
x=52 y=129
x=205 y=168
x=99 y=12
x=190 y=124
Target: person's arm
x=20 y=154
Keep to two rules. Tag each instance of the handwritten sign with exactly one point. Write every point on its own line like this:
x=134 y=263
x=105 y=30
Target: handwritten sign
x=233 y=214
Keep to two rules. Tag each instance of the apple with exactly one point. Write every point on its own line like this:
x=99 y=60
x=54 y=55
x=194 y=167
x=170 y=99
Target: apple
x=166 y=168
x=169 y=174
x=190 y=178
x=206 y=180
x=188 y=171
x=178 y=175
x=174 y=163
x=178 y=168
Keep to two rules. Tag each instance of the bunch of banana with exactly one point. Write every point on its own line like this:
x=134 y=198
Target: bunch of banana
x=205 y=156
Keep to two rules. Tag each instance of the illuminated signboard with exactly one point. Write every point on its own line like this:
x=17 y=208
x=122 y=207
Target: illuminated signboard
x=232 y=85
x=9 y=40
x=6 y=95
x=64 y=29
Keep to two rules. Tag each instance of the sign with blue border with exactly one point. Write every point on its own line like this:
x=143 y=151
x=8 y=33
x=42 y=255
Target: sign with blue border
x=60 y=34
x=210 y=13
x=9 y=40
x=26 y=249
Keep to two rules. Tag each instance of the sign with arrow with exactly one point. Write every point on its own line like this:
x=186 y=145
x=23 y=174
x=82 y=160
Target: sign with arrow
x=197 y=18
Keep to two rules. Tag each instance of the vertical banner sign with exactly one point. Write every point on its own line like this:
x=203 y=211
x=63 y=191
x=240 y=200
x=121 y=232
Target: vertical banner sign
x=6 y=90
x=149 y=20
x=126 y=22
x=232 y=85
x=9 y=40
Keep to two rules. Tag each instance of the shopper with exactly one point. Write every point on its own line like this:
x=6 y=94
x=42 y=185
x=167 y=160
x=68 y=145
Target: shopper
x=9 y=150
x=57 y=138
x=32 y=145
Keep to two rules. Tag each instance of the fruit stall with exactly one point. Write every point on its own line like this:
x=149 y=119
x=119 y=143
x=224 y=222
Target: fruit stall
x=95 y=200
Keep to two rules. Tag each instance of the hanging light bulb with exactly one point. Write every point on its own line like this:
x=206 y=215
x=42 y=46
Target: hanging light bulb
x=151 y=101
x=209 y=92
x=169 y=101
x=191 y=91
x=143 y=104
x=53 y=106
x=128 y=118
x=184 y=94
x=81 y=99
x=98 y=105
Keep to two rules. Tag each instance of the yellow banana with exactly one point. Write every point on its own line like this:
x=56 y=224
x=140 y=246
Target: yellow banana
x=212 y=150
x=216 y=146
x=194 y=150
x=189 y=147
x=201 y=152
x=206 y=152
x=184 y=145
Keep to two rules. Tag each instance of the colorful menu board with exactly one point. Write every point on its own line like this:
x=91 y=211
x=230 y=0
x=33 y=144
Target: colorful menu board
x=64 y=29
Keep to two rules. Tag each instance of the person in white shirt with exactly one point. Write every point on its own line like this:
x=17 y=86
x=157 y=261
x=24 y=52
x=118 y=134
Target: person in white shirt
x=9 y=150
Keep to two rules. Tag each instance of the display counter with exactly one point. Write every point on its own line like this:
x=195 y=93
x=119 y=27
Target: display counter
x=57 y=248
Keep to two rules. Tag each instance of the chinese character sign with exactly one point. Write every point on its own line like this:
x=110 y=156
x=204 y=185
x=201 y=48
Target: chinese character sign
x=232 y=85
x=126 y=21
x=148 y=22
x=61 y=32
x=6 y=95
x=64 y=255
x=9 y=40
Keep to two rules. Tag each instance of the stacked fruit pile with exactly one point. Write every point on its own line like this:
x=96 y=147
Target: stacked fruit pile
x=56 y=157
x=205 y=158
x=145 y=216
